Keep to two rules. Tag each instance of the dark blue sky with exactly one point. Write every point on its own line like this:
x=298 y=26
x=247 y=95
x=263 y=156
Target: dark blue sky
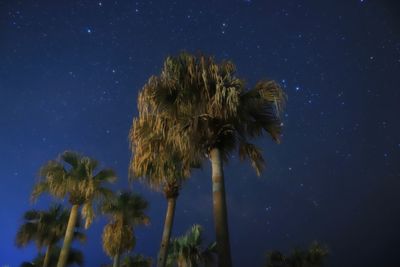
x=70 y=72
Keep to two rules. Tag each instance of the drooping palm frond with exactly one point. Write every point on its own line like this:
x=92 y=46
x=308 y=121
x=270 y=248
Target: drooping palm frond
x=118 y=238
x=126 y=210
x=155 y=161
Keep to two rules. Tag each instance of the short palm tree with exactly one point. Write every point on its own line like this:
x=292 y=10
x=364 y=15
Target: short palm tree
x=205 y=111
x=75 y=257
x=313 y=257
x=45 y=229
x=74 y=176
x=126 y=211
x=187 y=250
x=159 y=165
x=137 y=260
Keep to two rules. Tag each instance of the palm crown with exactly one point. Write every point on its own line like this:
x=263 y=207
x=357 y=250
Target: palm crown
x=45 y=228
x=126 y=210
x=200 y=104
x=74 y=176
x=75 y=257
x=187 y=250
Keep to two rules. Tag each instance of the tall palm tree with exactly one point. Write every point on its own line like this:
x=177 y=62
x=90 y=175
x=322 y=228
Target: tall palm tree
x=45 y=229
x=126 y=211
x=75 y=257
x=187 y=250
x=74 y=176
x=159 y=165
x=205 y=111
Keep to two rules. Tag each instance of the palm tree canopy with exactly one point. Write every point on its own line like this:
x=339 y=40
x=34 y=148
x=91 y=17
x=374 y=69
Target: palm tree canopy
x=75 y=258
x=188 y=248
x=74 y=176
x=128 y=207
x=126 y=210
x=45 y=227
x=199 y=104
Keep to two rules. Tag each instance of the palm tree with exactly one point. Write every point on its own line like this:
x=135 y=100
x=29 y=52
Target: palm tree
x=137 y=260
x=126 y=210
x=159 y=165
x=74 y=176
x=187 y=251
x=205 y=111
x=75 y=257
x=45 y=228
x=313 y=257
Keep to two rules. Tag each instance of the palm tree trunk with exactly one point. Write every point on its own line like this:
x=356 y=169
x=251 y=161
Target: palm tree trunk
x=46 y=260
x=169 y=219
x=69 y=234
x=116 y=261
x=220 y=211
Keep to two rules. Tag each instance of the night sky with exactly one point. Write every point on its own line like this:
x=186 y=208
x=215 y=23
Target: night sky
x=70 y=72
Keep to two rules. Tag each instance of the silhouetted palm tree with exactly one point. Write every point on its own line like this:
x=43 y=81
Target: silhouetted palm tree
x=45 y=229
x=75 y=257
x=126 y=210
x=187 y=250
x=205 y=111
x=313 y=257
x=159 y=165
x=74 y=176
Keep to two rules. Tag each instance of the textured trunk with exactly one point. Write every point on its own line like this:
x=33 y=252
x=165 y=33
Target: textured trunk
x=46 y=260
x=69 y=234
x=220 y=212
x=169 y=219
x=116 y=261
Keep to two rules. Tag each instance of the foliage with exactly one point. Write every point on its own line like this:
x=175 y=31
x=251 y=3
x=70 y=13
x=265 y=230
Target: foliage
x=313 y=257
x=126 y=210
x=137 y=260
x=156 y=162
x=45 y=227
x=74 y=176
x=187 y=250
x=75 y=258
x=197 y=104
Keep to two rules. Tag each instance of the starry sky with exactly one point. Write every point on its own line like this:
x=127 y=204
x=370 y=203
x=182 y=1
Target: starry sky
x=70 y=72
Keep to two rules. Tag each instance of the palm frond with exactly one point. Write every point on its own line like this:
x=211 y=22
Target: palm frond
x=108 y=175
x=251 y=152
